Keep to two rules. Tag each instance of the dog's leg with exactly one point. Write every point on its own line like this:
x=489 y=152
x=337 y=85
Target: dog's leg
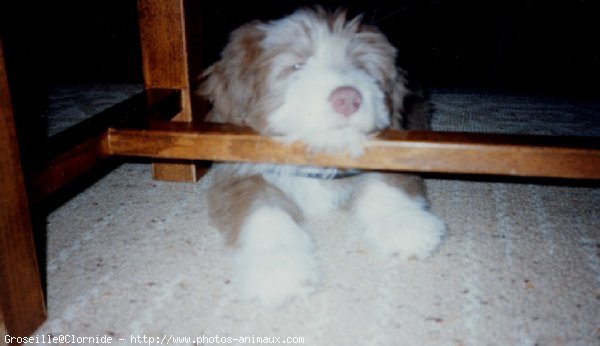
x=274 y=259
x=392 y=209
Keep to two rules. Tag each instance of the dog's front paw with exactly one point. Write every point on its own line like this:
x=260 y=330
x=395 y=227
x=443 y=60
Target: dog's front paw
x=275 y=261
x=406 y=233
x=274 y=277
x=396 y=223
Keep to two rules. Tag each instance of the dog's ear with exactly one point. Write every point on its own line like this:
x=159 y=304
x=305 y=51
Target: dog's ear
x=372 y=52
x=396 y=94
x=230 y=83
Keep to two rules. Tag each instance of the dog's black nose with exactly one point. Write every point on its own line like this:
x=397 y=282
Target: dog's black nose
x=345 y=100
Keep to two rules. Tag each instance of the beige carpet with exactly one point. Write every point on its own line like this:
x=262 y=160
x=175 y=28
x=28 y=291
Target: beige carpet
x=133 y=257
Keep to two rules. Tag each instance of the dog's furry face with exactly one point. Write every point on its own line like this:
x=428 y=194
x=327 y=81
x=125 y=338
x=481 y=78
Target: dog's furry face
x=312 y=76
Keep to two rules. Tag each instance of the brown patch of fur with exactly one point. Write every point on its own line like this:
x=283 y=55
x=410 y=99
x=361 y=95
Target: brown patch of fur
x=232 y=198
x=234 y=83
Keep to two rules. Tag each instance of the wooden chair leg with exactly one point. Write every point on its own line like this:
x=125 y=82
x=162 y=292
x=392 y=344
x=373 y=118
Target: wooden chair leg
x=21 y=295
x=164 y=59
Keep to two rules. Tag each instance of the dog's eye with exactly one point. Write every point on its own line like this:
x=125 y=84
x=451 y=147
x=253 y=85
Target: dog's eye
x=289 y=70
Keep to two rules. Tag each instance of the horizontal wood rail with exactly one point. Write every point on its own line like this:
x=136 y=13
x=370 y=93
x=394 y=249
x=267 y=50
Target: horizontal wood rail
x=141 y=127
x=81 y=147
x=415 y=151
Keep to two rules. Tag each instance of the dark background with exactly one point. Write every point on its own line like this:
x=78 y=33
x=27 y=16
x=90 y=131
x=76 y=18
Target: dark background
x=539 y=47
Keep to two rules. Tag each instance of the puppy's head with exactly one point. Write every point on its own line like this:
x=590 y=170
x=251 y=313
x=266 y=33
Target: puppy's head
x=313 y=76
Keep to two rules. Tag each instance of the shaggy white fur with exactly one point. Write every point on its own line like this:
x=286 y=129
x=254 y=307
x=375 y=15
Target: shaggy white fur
x=395 y=223
x=275 y=261
x=317 y=78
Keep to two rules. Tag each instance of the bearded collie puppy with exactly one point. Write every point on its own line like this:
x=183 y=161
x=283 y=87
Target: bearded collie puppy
x=330 y=83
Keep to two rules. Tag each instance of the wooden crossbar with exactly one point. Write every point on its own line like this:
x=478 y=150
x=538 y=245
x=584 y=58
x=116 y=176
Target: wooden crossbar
x=415 y=151
x=81 y=147
x=141 y=127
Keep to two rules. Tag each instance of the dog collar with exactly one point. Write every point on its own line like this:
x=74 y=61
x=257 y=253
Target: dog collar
x=314 y=172
x=337 y=174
